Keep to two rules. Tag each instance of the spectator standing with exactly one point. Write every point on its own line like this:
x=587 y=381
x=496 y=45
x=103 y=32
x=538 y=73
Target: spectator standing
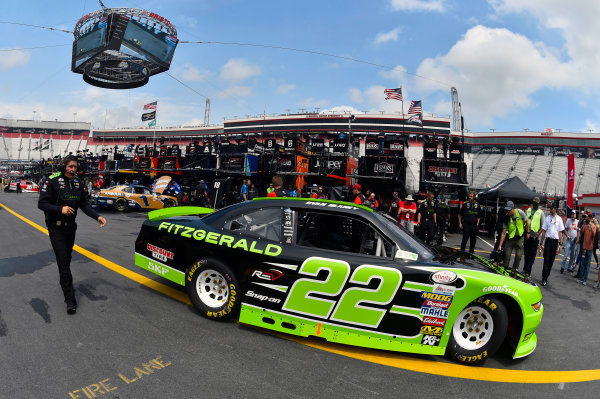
x=18 y=185
x=408 y=210
x=588 y=233
x=514 y=229
x=536 y=217
x=200 y=194
x=293 y=192
x=468 y=221
x=499 y=225
x=570 y=239
x=359 y=198
x=552 y=231
x=442 y=211
x=252 y=192
x=278 y=190
x=244 y=190
x=395 y=205
x=319 y=194
x=270 y=189
x=427 y=219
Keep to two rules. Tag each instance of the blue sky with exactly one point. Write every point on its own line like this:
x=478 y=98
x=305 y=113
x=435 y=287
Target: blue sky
x=516 y=64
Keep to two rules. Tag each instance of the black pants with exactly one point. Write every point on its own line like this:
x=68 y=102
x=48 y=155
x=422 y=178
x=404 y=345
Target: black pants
x=550 y=247
x=529 y=251
x=498 y=237
x=427 y=231
x=469 y=233
x=441 y=231
x=63 y=239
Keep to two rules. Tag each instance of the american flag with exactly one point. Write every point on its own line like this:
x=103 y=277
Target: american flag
x=414 y=113
x=393 y=94
x=152 y=105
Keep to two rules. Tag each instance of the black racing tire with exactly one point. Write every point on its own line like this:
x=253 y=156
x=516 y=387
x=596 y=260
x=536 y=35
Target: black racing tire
x=120 y=204
x=169 y=203
x=478 y=331
x=213 y=289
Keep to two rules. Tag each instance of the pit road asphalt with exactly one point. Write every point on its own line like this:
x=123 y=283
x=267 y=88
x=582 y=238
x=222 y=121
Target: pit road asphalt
x=129 y=341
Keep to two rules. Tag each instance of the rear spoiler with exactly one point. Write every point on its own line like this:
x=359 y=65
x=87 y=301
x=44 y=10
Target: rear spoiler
x=160 y=214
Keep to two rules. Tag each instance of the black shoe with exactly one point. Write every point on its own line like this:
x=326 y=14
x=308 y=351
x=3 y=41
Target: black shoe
x=562 y=271
x=544 y=282
x=71 y=306
x=570 y=270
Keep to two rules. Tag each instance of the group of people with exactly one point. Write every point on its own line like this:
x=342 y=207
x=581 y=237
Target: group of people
x=531 y=233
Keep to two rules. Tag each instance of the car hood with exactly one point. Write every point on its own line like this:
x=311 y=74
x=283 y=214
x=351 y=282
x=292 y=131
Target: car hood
x=452 y=257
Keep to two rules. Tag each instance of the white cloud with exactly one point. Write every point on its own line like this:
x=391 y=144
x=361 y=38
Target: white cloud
x=237 y=69
x=310 y=102
x=387 y=36
x=235 y=92
x=13 y=58
x=418 y=5
x=495 y=71
x=397 y=74
x=341 y=109
x=283 y=89
x=356 y=96
x=190 y=73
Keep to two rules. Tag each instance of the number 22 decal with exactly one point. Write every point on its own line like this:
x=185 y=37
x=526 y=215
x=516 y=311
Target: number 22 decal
x=352 y=306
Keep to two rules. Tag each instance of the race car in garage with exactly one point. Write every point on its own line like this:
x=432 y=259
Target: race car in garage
x=341 y=272
x=124 y=197
x=27 y=186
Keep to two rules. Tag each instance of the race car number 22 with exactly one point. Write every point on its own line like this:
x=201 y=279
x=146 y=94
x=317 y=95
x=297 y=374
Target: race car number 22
x=352 y=307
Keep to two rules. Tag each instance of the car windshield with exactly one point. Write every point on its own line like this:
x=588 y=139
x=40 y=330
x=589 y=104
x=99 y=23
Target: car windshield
x=424 y=251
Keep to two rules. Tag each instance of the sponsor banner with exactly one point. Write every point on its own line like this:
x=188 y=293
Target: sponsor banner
x=443 y=171
x=339 y=145
x=159 y=253
x=434 y=312
x=430 y=340
x=431 y=330
x=434 y=321
x=317 y=145
x=443 y=289
x=444 y=277
x=371 y=147
x=160 y=269
x=501 y=288
x=436 y=297
x=436 y=304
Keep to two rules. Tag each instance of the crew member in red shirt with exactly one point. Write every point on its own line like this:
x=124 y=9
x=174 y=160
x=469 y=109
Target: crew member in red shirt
x=319 y=194
x=407 y=213
x=359 y=198
x=278 y=190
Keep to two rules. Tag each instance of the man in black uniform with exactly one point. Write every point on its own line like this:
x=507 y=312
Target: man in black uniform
x=427 y=219
x=395 y=205
x=442 y=212
x=468 y=221
x=60 y=196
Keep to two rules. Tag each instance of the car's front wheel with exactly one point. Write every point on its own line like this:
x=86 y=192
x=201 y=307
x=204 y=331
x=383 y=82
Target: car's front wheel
x=478 y=331
x=213 y=288
x=170 y=203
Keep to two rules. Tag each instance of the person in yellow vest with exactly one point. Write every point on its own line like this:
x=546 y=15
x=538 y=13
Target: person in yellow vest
x=536 y=217
x=515 y=230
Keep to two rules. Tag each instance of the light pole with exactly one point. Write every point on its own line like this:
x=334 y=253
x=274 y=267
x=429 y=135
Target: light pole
x=74 y=115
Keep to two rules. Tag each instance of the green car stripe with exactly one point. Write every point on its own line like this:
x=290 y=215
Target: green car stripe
x=160 y=269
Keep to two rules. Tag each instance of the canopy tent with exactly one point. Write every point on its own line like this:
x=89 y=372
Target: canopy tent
x=510 y=189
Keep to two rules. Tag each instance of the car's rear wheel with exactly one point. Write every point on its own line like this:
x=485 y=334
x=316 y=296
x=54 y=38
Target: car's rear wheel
x=213 y=288
x=478 y=331
x=169 y=203
x=121 y=204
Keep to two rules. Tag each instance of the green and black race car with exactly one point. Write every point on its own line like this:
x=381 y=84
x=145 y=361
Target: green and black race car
x=341 y=272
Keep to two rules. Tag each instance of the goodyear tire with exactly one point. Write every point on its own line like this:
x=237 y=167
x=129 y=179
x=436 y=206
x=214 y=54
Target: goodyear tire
x=478 y=331
x=121 y=204
x=213 y=289
x=169 y=203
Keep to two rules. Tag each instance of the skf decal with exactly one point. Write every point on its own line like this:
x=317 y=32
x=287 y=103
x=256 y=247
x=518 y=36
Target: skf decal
x=269 y=275
x=159 y=253
x=432 y=330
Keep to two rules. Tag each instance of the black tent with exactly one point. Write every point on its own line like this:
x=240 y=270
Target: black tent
x=510 y=189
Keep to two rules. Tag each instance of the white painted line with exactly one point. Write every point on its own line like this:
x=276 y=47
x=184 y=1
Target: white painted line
x=490 y=245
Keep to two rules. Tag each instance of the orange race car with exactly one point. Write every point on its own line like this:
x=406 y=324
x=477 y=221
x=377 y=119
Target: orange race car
x=132 y=197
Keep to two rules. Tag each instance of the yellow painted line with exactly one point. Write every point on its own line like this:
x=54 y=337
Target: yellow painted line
x=374 y=356
x=164 y=289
